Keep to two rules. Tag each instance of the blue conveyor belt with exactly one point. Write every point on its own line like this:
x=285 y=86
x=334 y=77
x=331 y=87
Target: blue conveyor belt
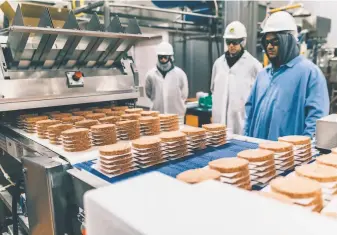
x=173 y=168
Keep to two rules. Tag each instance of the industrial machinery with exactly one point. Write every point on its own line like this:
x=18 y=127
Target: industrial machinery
x=51 y=62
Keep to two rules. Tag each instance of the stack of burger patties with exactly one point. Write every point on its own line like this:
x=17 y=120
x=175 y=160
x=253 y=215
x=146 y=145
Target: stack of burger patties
x=174 y=144
x=30 y=123
x=169 y=122
x=325 y=175
x=72 y=120
x=76 y=140
x=149 y=113
x=302 y=191
x=234 y=171
x=196 y=138
x=147 y=151
x=134 y=110
x=130 y=116
x=102 y=110
x=103 y=134
x=283 y=154
x=42 y=127
x=116 y=159
x=95 y=116
x=261 y=164
x=20 y=120
x=128 y=130
x=59 y=116
x=86 y=123
x=149 y=125
x=216 y=134
x=302 y=148
x=110 y=120
x=54 y=133
x=195 y=176
x=82 y=113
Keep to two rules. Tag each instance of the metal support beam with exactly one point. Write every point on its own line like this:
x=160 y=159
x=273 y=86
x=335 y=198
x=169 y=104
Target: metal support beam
x=107 y=12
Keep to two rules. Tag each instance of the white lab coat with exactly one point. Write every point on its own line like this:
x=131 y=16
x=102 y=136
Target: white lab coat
x=231 y=88
x=168 y=95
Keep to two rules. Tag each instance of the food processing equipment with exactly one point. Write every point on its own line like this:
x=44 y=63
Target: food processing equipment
x=49 y=61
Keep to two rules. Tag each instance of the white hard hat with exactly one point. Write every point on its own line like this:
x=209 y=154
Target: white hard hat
x=279 y=21
x=235 y=30
x=164 y=48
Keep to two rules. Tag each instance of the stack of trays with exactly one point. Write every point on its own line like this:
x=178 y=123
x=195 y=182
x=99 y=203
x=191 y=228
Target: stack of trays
x=54 y=132
x=30 y=123
x=115 y=113
x=120 y=108
x=150 y=113
x=196 y=137
x=95 y=116
x=20 y=121
x=234 y=171
x=72 y=120
x=82 y=113
x=327 y=160
x=147 y=151
x=303 y=192
x=76 y=140
x=42 y=127
x=128 y=130
x=325 y=175
x=116 y=159
x=174 y=144
x=133 y=111
x=169 y=122
x=59 y=116
x=283 y=154
x=110 y=120
x=302 y=148
x=102 y=111
x=131 y=116
x=216 y=134
x=149 y=125
x=261 y=164
x=198 y=175
x=103 y=134
x=86 y=123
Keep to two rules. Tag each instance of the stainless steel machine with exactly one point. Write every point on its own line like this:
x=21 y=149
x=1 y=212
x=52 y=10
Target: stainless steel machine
x=49 y=61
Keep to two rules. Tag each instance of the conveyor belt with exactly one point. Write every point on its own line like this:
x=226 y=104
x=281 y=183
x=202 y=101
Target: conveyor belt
x=173 y=168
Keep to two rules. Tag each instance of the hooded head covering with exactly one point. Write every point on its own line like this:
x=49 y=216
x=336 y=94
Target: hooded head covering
x=164 y=68
x=288 y=48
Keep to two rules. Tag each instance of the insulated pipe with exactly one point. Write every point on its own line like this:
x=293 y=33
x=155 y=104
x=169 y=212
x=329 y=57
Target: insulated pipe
x=107 y=12
x=88 y=7
x=163 y=10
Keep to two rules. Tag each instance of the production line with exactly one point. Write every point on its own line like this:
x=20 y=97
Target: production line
x=69 y=124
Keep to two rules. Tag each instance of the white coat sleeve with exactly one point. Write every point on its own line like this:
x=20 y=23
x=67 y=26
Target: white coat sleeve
x=184 y=86
x=148 y=87
x=213 y=77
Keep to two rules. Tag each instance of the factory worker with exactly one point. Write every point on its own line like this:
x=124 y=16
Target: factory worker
x=166 y=85
x=233 y=76
x=290 y=94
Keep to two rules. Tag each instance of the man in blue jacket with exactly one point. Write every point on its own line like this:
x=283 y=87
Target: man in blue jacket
x=291 y=93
